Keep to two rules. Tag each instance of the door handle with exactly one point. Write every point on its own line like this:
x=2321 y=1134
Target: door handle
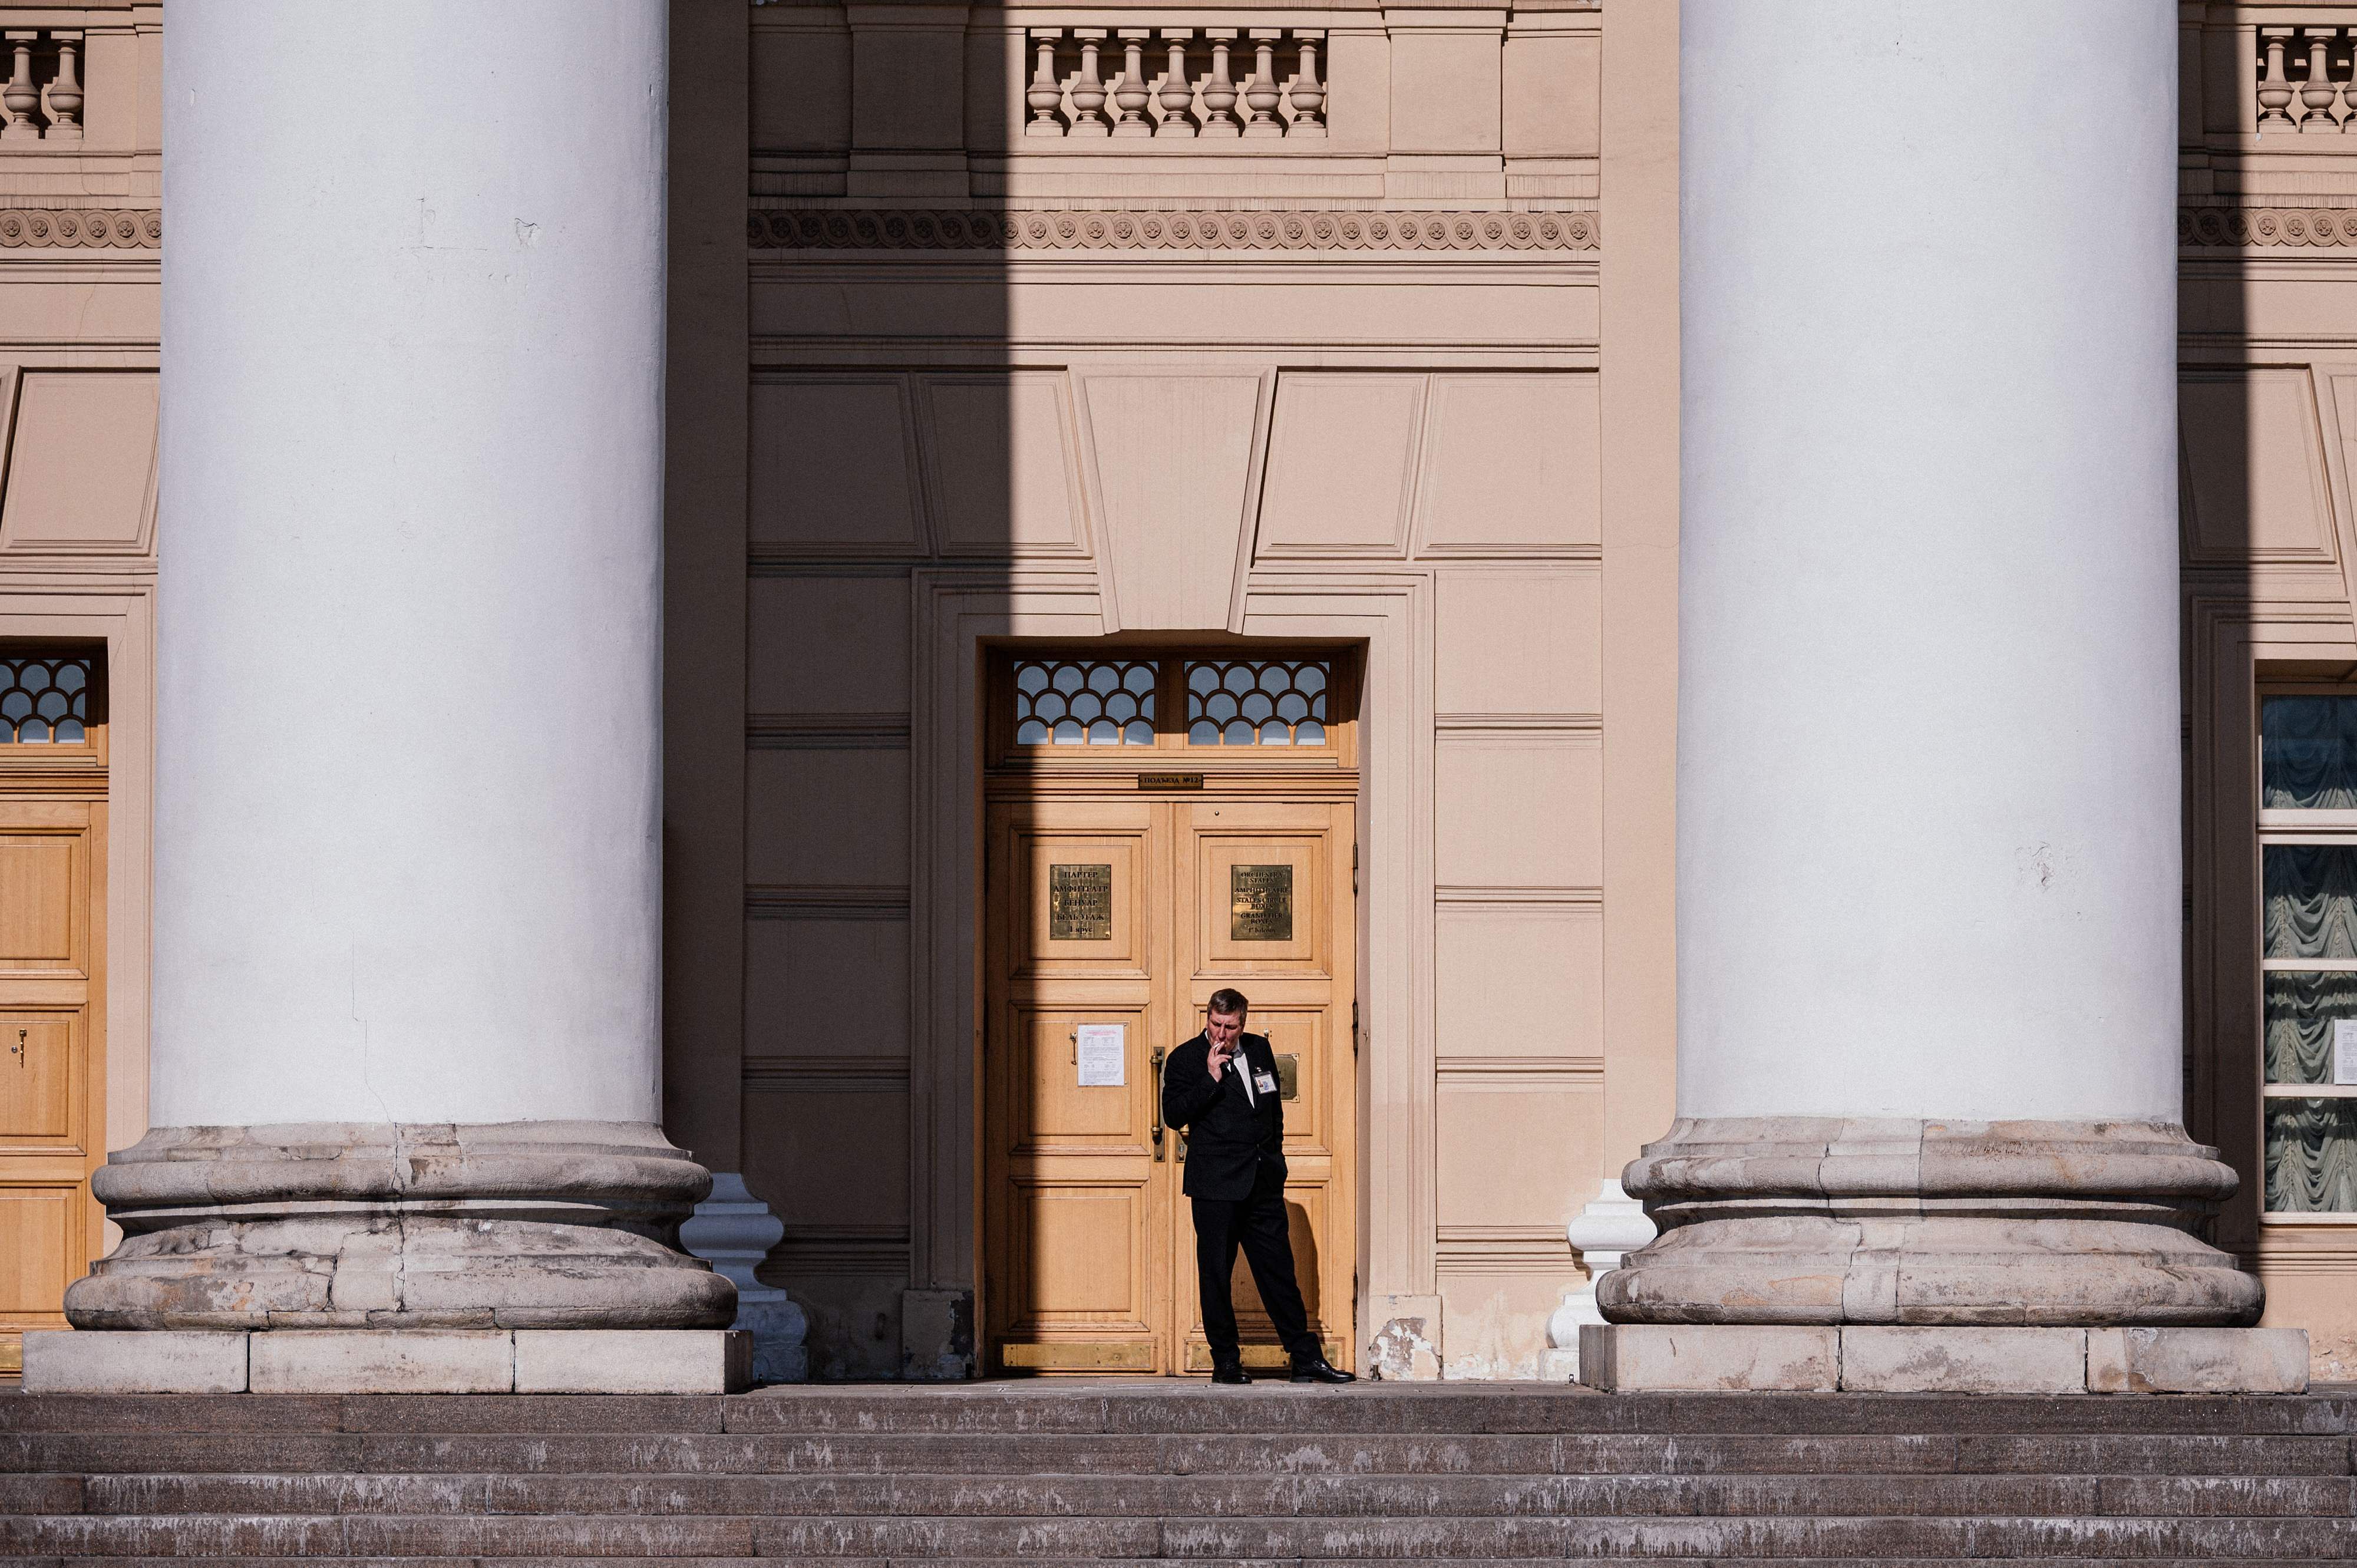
x=1158 y=1054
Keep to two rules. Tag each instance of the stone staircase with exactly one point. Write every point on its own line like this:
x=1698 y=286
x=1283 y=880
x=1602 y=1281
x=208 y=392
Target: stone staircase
x=1094 y=1472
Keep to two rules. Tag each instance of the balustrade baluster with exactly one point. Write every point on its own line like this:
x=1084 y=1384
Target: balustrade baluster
x=1219 y=91
x=1261 y=94
x=20 y=97
x=2348 y=89
x=1089 y=91
x=1308 y=94
x=1177 y=95
x=1129 y=93
x=2316 y=92
x=65 y=92
x=1045 y=93
x=2275 y=87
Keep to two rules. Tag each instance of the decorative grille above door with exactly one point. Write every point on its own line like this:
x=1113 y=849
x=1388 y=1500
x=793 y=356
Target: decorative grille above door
x=1049 y=703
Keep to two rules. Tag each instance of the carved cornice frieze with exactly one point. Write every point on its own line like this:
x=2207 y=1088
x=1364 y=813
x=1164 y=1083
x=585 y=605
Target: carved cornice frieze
x=2237 y=227
x=849 y=229
x=84 y=229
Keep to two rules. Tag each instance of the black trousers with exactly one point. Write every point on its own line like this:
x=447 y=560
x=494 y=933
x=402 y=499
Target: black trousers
x=1258 y=1225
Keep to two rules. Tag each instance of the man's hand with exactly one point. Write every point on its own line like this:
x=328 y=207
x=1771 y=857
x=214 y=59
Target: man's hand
x=1218 y=1059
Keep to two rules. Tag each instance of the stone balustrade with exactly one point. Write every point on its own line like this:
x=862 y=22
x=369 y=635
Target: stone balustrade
x=43 y=97
x=1316 y=103
x=2303 y=81
x=1211 y=84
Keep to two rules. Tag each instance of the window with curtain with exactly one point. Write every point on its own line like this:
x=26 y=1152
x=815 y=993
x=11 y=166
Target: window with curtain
x=2308 y=849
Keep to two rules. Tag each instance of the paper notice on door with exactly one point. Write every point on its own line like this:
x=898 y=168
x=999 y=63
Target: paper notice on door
x=1103 y=1061
x=2344 y=1050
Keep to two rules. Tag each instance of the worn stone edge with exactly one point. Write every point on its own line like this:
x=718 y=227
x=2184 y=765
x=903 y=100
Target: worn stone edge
x=43 y=1376
x=1598 y=1365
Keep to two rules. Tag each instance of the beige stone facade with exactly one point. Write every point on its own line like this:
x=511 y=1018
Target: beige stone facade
x=1351 y=328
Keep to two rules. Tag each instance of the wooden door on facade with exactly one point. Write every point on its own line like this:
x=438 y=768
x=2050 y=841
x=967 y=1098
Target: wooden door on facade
x=52 y=984
x=1146 y=844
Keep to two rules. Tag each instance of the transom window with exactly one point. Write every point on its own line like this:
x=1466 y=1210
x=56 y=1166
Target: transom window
x=1256 y=701
x=45 y=695
x=1058 y=700
x=1083 y=701
x=2308 y=849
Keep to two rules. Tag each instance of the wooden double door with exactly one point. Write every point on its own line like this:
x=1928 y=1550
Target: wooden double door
x=1114 y=915
x=53 y=774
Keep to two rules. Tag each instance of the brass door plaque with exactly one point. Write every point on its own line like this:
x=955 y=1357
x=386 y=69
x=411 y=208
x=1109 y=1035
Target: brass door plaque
x=1288 y=1075
x=1260 y=903
x=1079 y=903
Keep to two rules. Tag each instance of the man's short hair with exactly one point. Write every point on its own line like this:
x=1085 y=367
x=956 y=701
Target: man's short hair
x=1228 y=1004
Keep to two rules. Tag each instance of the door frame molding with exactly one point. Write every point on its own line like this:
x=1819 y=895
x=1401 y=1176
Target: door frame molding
x=955 y=615
x=125 y=620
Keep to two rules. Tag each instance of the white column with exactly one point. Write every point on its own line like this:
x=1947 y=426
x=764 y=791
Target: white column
x=1928 y=773
x=407 y=874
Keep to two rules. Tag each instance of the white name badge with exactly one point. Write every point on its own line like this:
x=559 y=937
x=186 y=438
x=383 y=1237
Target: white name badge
x=1264 y=1082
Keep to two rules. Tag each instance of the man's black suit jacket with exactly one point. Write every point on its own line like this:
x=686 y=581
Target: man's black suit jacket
x=1229 y=1137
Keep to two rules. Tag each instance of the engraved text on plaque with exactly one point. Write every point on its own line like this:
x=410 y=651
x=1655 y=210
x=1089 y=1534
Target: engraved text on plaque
x=1079 y=903
x=1260 y=903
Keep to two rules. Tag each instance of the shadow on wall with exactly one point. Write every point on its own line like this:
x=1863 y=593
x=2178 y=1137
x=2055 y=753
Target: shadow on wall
x=2214 y=512
x=846 y=417
x=2264 y=557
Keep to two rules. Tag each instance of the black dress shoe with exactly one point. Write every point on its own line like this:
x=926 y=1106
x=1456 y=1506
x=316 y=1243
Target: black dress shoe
x=1230 y=1372
x=1314 y=1369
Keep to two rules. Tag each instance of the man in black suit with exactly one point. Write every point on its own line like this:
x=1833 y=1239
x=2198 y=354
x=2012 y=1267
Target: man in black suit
x=1222 y=1088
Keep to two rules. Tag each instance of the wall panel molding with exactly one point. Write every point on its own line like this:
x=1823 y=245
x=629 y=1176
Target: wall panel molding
x=812 y=901
x=827 y=732
x=825 y=1075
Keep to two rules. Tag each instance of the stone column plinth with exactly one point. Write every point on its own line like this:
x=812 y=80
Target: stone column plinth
x=405 y=1067
x=1797 y=1220
x=1929 y=879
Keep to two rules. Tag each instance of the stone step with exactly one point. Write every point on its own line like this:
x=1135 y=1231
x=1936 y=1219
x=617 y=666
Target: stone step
x=1339 y=1497
x=1293 y=1539
x=1161 y=1408
x=994 y=1475
x=1885 y=1561
x=1439 y=1453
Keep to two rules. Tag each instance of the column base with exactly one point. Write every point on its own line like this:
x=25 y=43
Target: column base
x=1632 y=1357
x=555 y=1225
x=391 y=1361
x=1794 y=1221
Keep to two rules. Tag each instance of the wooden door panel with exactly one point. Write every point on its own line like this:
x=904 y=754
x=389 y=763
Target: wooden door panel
x=1050 y=1110
x=44 y=899
x=1079 y=902
x=38 y=1257
x=1300 y=1031
x=41 y=1066
x=1311 y=1219
x=1078 y=1254
x=1260 y=903
x=1305 y=1213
